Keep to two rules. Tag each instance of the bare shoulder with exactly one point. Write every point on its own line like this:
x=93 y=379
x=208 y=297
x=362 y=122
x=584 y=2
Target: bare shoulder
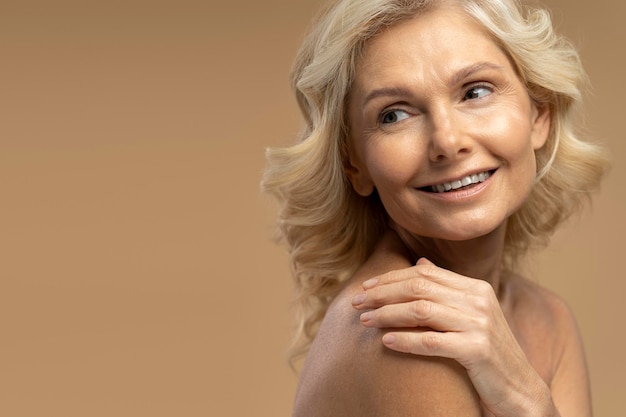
x=547 y=330
x=540 y=306
x=349 y=372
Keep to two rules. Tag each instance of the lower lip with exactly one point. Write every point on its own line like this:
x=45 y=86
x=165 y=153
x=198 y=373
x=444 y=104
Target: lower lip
x=464 y=194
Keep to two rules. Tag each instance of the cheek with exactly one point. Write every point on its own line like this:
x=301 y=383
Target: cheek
x=521 y=152
x=392 y=166
x=513 y=136
x=523 y=169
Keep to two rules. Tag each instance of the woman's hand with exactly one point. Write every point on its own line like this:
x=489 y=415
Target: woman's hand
x=440 y=313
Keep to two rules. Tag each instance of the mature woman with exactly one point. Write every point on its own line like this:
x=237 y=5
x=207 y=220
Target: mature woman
x=440 y=145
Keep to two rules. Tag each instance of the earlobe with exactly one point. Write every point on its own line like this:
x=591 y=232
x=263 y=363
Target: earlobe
x=541 y=126
x=361 y=183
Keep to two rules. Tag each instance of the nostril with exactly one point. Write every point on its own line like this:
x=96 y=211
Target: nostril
x=448 y=153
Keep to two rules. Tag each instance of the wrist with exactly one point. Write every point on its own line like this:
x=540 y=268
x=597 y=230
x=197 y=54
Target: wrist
x=541 y=404
x=528 y=396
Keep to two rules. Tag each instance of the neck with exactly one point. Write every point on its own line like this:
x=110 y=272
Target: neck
x=479 y=258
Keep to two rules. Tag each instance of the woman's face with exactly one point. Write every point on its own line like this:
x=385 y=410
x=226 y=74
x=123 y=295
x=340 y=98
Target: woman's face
x=442 y=127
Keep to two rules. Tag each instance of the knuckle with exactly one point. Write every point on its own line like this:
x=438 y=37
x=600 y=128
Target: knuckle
x=426 y=270
x=422 y=310
x=417 y=286
x=432 y=342
x=482 y=304
x=481 y=348
x=484 y=296
x=483 y=322
x=484 y=289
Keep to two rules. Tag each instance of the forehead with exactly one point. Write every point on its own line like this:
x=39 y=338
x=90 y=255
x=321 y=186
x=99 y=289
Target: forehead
x=434 y=43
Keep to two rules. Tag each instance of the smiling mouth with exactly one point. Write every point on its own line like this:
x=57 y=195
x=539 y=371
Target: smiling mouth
x=459 y=184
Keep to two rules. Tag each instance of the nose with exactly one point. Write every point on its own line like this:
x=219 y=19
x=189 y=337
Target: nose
x=447 y=139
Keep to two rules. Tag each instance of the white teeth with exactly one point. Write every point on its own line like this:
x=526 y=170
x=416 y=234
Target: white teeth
x=463 y=182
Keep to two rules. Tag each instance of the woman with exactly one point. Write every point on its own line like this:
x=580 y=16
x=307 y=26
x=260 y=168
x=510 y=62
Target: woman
x=439 y=147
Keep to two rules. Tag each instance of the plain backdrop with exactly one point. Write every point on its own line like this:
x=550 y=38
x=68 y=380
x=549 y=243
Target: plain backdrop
x=138 y=276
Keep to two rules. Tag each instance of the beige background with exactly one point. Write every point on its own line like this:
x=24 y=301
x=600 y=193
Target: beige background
x=137 y=274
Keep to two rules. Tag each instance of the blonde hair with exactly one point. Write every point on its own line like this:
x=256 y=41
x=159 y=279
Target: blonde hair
x=329 y=229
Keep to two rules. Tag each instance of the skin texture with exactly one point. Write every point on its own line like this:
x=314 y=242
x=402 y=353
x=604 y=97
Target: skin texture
x=435 y=100
x=349 y=372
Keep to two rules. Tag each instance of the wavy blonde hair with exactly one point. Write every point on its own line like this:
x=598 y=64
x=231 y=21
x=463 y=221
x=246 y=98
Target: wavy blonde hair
x=329 y=229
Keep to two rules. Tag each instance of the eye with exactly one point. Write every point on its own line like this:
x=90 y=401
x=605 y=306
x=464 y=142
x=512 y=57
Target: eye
x=393 y=116
x=477 y=91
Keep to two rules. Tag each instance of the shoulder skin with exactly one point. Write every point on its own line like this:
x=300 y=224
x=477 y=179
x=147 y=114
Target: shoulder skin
x=349 y=372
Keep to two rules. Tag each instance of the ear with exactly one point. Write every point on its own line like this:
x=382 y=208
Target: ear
x=540 y=125
x=358 y=176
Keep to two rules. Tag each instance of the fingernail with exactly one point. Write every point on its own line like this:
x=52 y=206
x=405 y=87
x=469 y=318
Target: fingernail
x=370 y=283
x=388 y=339
x=358 y=299
x=367 y=316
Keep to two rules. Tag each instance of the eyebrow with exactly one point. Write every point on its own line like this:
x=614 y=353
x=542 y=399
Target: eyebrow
x=456 y=78
x=470 y=70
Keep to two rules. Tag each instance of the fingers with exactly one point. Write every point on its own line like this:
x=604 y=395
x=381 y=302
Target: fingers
x=423 y=268
x=425 y=343
x=410 y=289
x=396 y=275
x=436 y=311
x=419 y=313
x=422 y=281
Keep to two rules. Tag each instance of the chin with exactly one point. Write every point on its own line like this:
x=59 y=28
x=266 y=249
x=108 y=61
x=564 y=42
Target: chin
x=460 y=234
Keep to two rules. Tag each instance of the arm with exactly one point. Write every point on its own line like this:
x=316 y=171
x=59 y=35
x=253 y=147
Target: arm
x=421 y=386
x=459 y=318
x=370 y=381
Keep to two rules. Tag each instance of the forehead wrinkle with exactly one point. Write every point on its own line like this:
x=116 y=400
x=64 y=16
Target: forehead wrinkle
x=405 y=88
x=374 y=66
x=382 y=67
x=378 y=76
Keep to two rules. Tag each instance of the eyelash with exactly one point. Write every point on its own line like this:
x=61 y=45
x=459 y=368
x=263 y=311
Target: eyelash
x=477 y=86
x=480 y=85
x=385 y=113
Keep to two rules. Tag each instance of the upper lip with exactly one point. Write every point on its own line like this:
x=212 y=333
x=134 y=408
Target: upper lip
x=458 y=178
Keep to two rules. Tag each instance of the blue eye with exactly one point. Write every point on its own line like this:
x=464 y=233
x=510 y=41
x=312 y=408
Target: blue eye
x=393 y=116
x=477 y=91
